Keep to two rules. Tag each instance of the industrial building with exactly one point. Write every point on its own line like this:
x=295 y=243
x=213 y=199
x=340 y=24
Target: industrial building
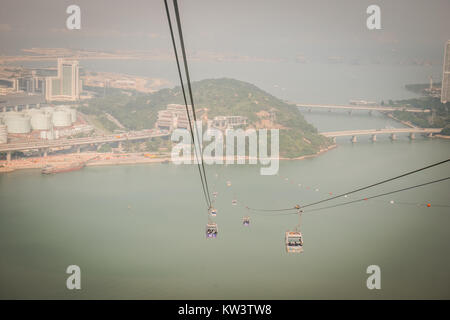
x=445 y=90
x=31 y=83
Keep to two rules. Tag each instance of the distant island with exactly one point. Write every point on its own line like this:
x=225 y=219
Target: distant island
x=118 y=110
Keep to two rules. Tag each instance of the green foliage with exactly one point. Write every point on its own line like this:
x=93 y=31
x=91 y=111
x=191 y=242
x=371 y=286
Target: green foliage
x=437 y=118
x=104 y=148
x=220 y=97
x=446 y=130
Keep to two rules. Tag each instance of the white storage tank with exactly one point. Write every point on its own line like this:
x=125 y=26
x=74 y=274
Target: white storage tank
x=41 y=121
x=73 y=115
x=48 y=110
x=61 y=118
x=17 y=123
x=72 y=111
x=3 y=134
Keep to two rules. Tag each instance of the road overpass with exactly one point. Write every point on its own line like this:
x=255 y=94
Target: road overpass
x=46 y=145
x=374 y=132
x=359 y=107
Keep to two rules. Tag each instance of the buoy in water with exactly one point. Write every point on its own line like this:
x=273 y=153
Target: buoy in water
x=391 y=202
x=428 y=205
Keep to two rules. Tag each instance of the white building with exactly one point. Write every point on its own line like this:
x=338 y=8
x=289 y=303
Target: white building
x=445 y=90
x=66 y=86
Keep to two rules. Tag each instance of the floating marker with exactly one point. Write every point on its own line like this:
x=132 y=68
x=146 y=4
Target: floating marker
x=317 y=189
x=428 y=205
x=391 y=202
x=345 y=196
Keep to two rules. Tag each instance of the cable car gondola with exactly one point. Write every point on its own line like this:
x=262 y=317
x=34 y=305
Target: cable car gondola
x=234 y=202
x=211 y=230
x=294 y=241
x=246 y=221
x=213 y=212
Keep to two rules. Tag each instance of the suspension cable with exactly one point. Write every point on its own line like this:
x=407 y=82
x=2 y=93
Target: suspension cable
x=188 y=80
x=359 y=189
x=204 y=185
x=378 y=195
x=378 y=183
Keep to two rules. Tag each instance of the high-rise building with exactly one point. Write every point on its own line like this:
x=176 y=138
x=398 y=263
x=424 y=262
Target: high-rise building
x=66 y=86
x=445 y=91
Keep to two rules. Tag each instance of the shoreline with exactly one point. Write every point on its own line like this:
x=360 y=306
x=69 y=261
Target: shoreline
x=111 y=159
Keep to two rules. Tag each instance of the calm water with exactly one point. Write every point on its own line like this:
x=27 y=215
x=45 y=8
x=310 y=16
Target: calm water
x=138 y=231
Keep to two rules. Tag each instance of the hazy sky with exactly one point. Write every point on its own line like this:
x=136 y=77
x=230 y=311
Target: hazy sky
x=265 y=28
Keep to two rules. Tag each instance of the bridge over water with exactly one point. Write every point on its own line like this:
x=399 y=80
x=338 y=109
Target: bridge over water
x=359 y=107
x=375 y=132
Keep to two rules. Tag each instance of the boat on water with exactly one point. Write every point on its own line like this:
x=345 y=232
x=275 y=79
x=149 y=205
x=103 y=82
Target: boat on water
x=59 y=169
x=361 y=102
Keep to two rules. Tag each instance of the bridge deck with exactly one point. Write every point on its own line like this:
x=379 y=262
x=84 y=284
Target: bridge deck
x=379 y=131
x=359 y=107
x=76 y=142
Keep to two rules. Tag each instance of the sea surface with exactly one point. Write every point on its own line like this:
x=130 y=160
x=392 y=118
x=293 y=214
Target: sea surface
x=138 y=231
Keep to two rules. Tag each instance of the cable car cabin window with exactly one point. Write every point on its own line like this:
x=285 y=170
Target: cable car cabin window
x=295 y=241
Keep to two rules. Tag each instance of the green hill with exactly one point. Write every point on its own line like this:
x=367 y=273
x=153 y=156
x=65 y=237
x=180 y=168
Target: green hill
x=218 y=97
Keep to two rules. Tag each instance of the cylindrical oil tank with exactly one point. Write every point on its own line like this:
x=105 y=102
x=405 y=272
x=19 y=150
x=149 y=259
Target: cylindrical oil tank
x=61 y=118
x=41 y=121
x=73 y=115
x=17 y=123
x=48 y=110
x=3 y=134
x=72 y=111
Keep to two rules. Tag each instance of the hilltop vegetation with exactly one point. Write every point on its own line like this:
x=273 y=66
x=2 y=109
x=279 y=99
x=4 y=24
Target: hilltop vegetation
x=217 y=97
x=438 y=117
